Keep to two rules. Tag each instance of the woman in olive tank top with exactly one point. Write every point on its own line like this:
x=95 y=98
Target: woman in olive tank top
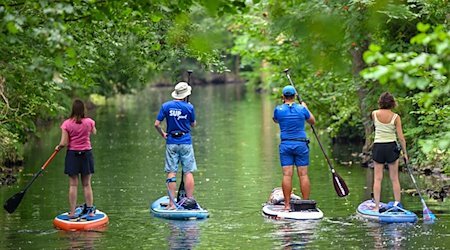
x=388 y=133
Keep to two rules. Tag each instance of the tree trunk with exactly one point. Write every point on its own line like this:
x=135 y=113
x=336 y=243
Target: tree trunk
x=363 y=91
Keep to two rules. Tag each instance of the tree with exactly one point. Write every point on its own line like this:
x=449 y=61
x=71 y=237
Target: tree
x=325 y=41
x=52 y=51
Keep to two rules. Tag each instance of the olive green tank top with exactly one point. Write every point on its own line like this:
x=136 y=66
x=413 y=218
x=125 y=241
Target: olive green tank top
x=385 y=132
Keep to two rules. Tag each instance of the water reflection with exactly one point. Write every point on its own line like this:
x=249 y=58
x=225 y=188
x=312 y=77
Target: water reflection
x=294 y=234
x=183 y=234
x=82 y=239
x=389 y=236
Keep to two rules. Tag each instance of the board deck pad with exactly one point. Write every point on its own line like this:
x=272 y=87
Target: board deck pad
x=158 y=209
x=395 y=215
x=64 y=222
x=300 y=210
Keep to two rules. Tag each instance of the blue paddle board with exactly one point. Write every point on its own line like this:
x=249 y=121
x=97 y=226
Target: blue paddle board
x=159 y=209
x=391 y=215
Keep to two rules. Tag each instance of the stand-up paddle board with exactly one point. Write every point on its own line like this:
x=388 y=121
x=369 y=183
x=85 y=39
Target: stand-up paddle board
x=300 y=209
x=389 y=214
x=159 y=209
x=278 y=212
x=63 y=221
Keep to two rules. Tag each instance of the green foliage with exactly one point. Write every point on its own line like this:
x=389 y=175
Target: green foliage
x=321 y=42
x=426 y=74
x=52 y=51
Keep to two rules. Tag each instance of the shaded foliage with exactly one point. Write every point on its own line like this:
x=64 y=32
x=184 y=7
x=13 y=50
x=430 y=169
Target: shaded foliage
x=425 y=73
x=54 y=50
x=323 y=44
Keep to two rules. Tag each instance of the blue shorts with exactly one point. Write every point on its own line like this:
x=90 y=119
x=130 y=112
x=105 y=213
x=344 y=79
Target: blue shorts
x=294 y=154
x=180 y=153
x=79 y=162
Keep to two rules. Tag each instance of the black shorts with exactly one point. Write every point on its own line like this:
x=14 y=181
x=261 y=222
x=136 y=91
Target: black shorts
x=79 y=162
x=385 y=152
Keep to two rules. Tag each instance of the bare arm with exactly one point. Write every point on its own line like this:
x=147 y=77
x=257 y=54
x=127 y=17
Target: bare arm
x=401 y=137
x=159 y=129
x=312 y=119
x=94 y=130
x=194 y=124
x=64 y=140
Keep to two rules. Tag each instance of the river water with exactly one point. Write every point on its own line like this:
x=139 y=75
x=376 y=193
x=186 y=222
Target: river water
x=236 y=145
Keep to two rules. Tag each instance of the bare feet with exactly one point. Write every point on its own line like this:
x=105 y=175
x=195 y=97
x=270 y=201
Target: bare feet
x=72 y=215
x=171 y=207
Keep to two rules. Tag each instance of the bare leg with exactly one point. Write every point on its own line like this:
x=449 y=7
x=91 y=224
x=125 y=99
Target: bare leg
x=287 y=185
x=305 y=186
x=189 y=184
x=377 y=178
x=393 y=174
x=172 y=188
x=87 y=190
x=73 y=189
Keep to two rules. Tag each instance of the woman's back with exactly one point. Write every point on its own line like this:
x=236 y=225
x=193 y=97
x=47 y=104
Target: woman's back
x=384 y=121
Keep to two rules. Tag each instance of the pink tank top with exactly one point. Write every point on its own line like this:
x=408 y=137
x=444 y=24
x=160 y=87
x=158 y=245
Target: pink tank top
x=79 y=133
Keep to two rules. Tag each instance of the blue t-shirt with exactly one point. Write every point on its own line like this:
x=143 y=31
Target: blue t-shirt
x=291 y=118
x=179 y=116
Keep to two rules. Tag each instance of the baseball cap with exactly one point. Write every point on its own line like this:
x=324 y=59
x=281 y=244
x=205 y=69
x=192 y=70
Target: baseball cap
x=289 y=91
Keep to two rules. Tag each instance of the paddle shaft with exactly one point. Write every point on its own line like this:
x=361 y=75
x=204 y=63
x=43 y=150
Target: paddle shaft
x=41 y=170
x=299 y=99
x=415 y=183
x=181 y=190
x=13 y=202
x=339 y=182
x=189 y=82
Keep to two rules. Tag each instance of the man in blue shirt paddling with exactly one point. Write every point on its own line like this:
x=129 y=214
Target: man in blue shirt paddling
x=294 y=149
x=180 y=117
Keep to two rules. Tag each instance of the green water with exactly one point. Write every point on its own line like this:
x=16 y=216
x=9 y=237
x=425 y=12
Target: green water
x=236 y=145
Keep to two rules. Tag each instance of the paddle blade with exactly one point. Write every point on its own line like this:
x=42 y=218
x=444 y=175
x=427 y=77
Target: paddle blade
x=428 y=216
x=339 y=185
x=12 y=203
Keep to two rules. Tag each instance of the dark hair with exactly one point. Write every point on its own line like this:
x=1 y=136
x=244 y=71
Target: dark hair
x=78 y=111
x=386 y=101
x=289 y=97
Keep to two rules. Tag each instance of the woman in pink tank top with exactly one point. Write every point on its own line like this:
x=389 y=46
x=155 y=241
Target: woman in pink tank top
x=79 y=161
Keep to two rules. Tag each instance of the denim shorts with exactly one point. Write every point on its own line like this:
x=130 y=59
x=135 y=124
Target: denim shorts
x=180 y=153
x=294 y=154
x=79 y=162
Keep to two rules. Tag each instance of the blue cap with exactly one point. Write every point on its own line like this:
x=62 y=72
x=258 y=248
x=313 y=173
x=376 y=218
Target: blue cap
x=289 y=91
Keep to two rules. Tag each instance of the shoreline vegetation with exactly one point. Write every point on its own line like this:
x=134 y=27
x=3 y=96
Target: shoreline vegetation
x=342 y=55
x=436 y=186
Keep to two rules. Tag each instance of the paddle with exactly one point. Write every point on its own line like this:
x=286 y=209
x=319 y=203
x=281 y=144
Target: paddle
x=428 y=216
x=12 y=203
x=181 y=191
x=339 y=183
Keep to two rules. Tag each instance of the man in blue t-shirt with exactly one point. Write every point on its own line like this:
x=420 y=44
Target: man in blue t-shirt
x=294 y=149
x=180 y=117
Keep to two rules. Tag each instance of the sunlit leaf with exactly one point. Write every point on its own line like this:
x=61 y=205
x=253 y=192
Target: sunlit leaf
x=423 y=27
